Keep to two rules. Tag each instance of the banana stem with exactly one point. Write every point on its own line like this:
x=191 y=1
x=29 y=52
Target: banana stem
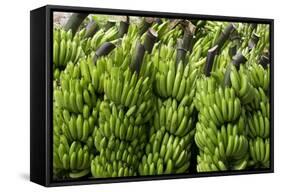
x=137 y=57
x=238 y=59
x=91 y=29
x=146 y=23
x=232 y=50
x=150 y=39
x=158 y=20
x=187 y=41
x=109 y=24
x=104 y=49
x=264 y=61
x=123 y=28
x=181 y=52
x=253 y=26
x=210 y=60
x=224 y=35
x=253 y=41
x=75 y=21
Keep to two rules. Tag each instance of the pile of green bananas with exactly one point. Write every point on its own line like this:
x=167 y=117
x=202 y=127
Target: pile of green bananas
x=159 y=96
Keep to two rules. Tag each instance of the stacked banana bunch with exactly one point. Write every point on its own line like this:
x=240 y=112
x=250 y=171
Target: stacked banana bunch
x=252 y=86
x=75 y=100
x=257 y=75
x=220 y=130
x=75 y=116
x=259 y=119
x=171 y=134
x=121 y=135
x=232 y=132
x=120 y=141
x=124 y=112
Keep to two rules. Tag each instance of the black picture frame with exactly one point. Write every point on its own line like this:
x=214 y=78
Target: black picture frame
x=41 y=26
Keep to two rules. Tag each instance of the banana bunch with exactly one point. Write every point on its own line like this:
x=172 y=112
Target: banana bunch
x=175 y=117
x=214 y=27
x=76 y=127
x=166 y=33
x=114 y=150
x=221 y=133
x=115 y=121
x=130 y=90
x=161 y=28
x=90 y=44
x=124 y=111
x=221 y=61
x=260 y=152
x=166 y=153
x=115 y=146
x=128 y=40
x=201 y=46
x=242 y=85
x=171 y=132
x=259 y=123
x=89 y=75
x=121 y=57
x=259 y=101
x=259 y=76
x=153 y=164
x=102 y=36
x=245 y=31
x=101 y=168
x=171 y=80
x=94 y=73
x=121 y=133
x=75 y=117
x=233 y=128
x=65 y=49
x=205 y=88
x=75 y=95
x=76 y=102
x=259 y=134
x=120 y=138
x=74 y=159
x=220 y=107
x=214 y=34
x=254 y=36
x=262 y=46
x=222 y=148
